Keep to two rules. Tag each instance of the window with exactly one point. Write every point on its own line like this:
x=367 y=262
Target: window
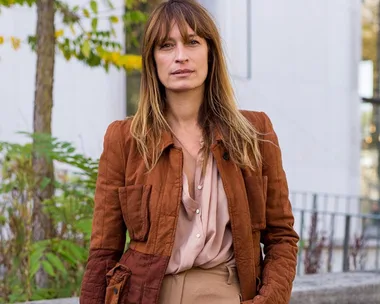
x=133 y=38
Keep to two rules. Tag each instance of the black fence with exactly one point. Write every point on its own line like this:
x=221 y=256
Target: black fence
x=337 y=233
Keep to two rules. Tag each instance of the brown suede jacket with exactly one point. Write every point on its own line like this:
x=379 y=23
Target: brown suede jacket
x=148 y=205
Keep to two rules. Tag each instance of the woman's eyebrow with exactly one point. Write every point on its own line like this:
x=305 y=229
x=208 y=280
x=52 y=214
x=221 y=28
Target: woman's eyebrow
x=189 y=35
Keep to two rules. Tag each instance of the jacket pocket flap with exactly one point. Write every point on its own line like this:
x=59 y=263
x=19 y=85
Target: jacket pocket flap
x=117 y=279
x=117 y=274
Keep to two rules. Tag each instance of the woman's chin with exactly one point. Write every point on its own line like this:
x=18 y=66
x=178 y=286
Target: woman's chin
x=184 y=87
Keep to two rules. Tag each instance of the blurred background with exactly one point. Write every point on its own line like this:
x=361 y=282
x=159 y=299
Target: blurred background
x=69 y=68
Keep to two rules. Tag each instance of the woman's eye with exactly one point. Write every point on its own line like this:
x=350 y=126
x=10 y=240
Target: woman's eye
x=194 y=42
x=166 y=45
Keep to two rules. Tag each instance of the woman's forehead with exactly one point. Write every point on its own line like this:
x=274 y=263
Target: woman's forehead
x=175 y=30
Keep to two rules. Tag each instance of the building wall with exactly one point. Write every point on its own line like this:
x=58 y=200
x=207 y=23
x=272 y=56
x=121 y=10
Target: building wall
x=296 y=60
x=86 y=99
x=302 y=71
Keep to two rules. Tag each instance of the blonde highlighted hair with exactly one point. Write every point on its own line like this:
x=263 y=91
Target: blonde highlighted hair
x=218 y=110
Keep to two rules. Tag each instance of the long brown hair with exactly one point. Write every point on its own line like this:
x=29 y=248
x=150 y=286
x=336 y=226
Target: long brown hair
x=218 y=110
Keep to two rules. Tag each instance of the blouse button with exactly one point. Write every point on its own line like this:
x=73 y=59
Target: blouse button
x=197 y=211
x=199 y=187
x=198 y=235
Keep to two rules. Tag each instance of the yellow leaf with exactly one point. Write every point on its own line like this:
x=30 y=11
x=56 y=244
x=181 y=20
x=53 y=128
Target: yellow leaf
x=1 y=39
x=59 y=33
x=123 y=59
x=115 y=57
x=131 y=62
x=86 y=49
x=86 y=13
x=15 y=43
x=114 y=19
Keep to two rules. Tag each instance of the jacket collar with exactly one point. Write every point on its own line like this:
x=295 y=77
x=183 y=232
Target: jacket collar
x=167 y=138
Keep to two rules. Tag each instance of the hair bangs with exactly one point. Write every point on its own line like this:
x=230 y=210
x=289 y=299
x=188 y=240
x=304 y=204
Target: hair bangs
x=183 y=15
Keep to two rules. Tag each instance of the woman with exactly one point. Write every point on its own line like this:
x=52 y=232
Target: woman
x=197 y=183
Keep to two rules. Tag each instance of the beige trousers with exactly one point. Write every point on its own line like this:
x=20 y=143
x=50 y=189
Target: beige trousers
x=217 y=285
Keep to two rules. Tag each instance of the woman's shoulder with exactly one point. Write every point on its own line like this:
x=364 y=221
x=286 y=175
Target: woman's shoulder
x=119 y=129
x=260 y=120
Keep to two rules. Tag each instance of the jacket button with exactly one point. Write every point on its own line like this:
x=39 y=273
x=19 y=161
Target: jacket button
x=226 y=156
x=115 y=291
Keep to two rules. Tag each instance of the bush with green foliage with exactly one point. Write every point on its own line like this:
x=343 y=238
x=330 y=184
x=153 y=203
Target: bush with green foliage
x=63 y=256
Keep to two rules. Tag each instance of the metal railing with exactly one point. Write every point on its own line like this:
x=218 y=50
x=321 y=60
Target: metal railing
x=336 y=233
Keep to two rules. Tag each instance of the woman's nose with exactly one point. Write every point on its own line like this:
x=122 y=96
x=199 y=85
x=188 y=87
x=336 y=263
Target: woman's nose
x=181 y=54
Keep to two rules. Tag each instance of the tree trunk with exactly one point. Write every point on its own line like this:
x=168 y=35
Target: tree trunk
x=43 y=104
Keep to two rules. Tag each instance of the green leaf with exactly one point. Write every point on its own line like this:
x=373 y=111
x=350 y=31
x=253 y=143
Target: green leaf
x=17 y=297
x=3 y=220
x=94 y=6
x=33 y=269
x=79 y=253
x=41 y=294
x=40 y=245
x=36 y=255
x=106 y=67
x=114 y=19
x=32 y=40
x=129 y=4
x=48 y=268
x=110 y=4
x=86 y=13
x=84 y=226
x=6 y=188
x=45 y=182
x=56 y=262
x=113 y=32
x=86 y=49
x=94 y=24
x=67 y=257
x=67 y=54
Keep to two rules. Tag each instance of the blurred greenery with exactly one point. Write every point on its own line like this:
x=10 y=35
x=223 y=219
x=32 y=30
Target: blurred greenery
x=64 y=256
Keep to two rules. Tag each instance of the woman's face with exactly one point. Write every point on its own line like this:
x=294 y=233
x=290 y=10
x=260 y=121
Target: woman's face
x=182 y=65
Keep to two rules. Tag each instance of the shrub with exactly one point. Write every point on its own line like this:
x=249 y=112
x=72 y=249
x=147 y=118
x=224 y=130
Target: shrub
x=64 y=255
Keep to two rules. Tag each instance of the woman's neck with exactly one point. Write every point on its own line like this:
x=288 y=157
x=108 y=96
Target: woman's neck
x=183 y=108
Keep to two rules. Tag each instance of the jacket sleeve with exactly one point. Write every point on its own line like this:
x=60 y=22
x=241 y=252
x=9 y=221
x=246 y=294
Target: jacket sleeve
x=108 y=229
x=279 y=238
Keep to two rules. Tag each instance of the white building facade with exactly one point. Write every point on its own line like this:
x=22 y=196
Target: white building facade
x=296 y=60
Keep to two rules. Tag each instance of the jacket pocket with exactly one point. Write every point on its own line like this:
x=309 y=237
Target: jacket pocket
x=134 y=201
x=117 y=280
x=256 y=187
